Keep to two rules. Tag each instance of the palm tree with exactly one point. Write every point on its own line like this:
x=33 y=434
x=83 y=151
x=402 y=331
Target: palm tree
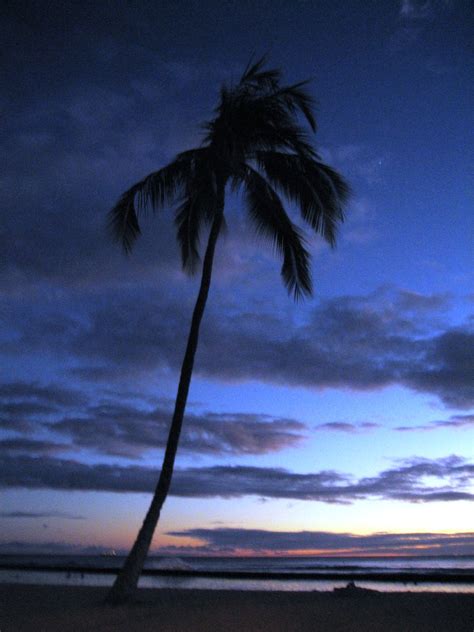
x=255 y=143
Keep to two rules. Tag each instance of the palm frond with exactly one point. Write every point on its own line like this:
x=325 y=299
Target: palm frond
x=189 y=220
x=154 y=191
x=297 y=98
x=123 y=220
x=318 y=191
x=272 y=222
x=256 y=78
x=252 y=67
x=333 y=191
x=197 y=208
x=165 y=185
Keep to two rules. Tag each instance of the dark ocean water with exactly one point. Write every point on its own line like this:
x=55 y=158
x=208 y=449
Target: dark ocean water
x=445 y=574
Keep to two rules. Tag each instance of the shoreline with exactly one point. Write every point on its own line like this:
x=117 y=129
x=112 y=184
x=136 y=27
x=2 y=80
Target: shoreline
x=403 y=577
x=26 y=607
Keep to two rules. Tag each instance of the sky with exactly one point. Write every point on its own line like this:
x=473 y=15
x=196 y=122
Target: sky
x=338 y=425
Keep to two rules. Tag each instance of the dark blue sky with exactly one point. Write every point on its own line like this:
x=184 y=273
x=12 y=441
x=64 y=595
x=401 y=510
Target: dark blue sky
x=363 y=394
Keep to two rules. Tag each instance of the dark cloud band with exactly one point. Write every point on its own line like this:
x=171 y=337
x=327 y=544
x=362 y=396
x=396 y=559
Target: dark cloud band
x=389 y=337
x=405 y=482
x=228 y=540
x=119 y=428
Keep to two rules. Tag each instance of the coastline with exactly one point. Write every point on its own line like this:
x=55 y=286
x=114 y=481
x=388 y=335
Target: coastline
x=26 y=607
x=413 y=576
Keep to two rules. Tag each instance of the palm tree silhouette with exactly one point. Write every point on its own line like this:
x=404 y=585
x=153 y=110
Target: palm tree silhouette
x=254 y=143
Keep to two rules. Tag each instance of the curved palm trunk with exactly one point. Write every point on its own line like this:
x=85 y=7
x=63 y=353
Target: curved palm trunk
x=126 y=583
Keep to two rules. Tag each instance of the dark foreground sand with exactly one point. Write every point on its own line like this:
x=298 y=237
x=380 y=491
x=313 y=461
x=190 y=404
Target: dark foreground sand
x=51 y=608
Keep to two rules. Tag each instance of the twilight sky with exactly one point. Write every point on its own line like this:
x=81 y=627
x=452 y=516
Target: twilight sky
x=341 y=424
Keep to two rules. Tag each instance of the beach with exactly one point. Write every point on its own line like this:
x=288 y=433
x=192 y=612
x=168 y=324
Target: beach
x=53 y=608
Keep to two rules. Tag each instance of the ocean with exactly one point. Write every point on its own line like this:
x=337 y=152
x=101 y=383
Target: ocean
x=416 y=574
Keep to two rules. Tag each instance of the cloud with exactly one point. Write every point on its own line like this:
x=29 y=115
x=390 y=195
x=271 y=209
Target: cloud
x=118 y=427
x=127 y=431
x=344 y=426
x=416 y=9
x=22 y=445
x=230 y=541
x=448 y=369
x=36 y=514
x=362 y=343
x=388 y=337
x=357 y=161
x=455 y=421
x=48 y=548
x=404 y=37
x=359 y=226
x=414 y=17
x=94 y=123
x=41 y=398
x=406 y=481
x=24 y=405
x=259 y=541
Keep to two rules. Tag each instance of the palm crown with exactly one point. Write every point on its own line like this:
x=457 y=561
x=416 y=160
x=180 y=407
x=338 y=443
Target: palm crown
x=256 y=143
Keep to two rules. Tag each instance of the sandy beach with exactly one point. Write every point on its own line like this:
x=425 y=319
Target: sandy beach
x=53 y=608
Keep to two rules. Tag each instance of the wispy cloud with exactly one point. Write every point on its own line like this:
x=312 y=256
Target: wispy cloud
x=413 y=18
x=416 y=9
x=358 y=161
x=346 y=427
x=455 y=421
x=360 y=227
